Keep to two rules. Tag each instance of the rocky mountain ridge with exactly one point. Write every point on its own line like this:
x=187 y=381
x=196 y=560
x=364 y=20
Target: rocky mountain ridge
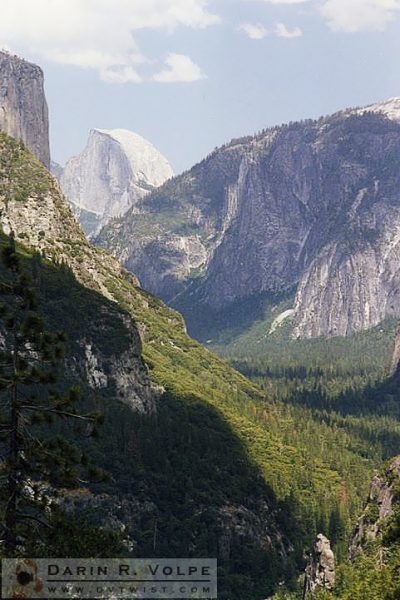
x=310 y=209
x=116 y=169
x=32 y=207
x=23 y=106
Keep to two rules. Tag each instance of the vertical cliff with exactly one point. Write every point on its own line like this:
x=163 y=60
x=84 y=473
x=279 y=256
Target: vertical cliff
x=23 y=106
x=310 y=207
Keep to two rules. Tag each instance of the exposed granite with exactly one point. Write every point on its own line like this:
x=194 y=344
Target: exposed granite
x=23 y=106
x=313 y=205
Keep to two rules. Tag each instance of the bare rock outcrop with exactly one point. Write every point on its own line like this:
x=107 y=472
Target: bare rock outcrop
x=382 y=501
x=23 y=106
x=320 y=572
x=116 y=364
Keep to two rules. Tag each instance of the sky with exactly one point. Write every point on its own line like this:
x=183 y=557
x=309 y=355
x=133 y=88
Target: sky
x=189 y=75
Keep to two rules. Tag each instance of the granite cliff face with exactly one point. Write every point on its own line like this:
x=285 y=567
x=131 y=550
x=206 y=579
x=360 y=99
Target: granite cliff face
x=311 y=209
x=115 y=170
x=23 y=107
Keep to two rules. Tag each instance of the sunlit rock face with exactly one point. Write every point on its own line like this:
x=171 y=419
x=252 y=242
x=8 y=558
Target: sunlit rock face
x=23 y=107
x=311 y=209
x=115 y=170
x=320 y=572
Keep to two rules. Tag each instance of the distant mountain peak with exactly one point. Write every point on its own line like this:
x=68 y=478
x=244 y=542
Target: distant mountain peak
x=116 y=169
x=146 y=161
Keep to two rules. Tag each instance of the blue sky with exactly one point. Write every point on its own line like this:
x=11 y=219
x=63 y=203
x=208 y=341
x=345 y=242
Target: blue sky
x=191 y=74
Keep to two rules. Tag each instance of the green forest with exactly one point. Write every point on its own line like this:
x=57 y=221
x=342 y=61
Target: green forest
x=296 y=440
x=344 y=383
x=248 y=455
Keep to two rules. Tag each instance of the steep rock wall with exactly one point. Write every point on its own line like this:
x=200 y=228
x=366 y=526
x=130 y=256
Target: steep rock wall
x=23 y=106
x=312 y=206
x=115 y=170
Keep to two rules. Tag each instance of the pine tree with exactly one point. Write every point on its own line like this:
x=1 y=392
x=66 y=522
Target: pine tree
x=30 y=400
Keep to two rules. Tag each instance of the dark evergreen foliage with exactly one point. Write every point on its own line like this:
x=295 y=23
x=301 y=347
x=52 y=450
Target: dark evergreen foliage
x=30 y=400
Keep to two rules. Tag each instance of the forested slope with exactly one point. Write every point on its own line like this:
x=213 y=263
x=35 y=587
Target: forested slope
x=238 y=473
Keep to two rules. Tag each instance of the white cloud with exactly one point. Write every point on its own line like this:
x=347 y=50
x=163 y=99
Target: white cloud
x=180 y=68
x=349 y=16
x=359 y=15
x=254 y=32
x=120 y=75
x=287 y=1
x=95 y=34
x=282 y=31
